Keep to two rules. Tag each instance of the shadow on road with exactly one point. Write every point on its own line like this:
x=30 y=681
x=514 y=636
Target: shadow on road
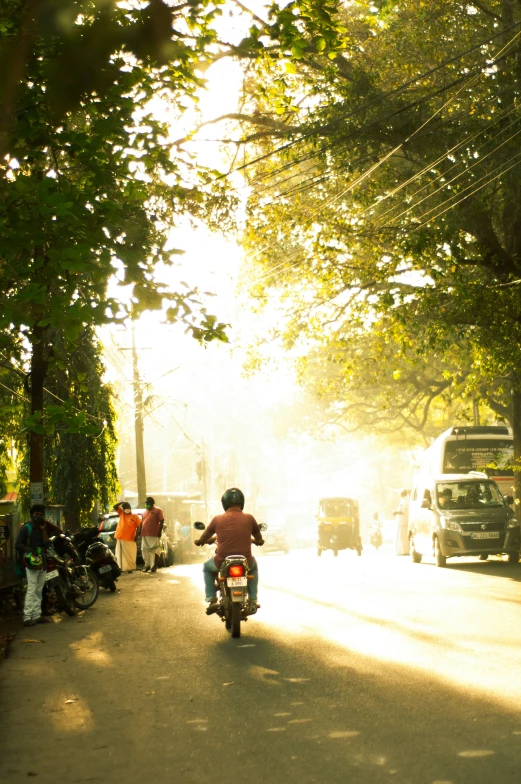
x=489 y=568
x=145 y=687
x=328 y=714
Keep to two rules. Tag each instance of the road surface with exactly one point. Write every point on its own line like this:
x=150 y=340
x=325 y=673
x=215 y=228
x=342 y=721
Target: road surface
x=362 y=670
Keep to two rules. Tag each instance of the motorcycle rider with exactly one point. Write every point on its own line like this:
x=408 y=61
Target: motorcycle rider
x=375 y=531
x=234 y=531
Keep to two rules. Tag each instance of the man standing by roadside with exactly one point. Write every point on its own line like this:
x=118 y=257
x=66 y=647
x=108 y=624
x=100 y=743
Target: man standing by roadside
x=126 y=547
x=31 y=544
x=151 y=530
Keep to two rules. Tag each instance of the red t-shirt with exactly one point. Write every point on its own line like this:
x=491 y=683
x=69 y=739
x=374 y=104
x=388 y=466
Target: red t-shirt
x=151 y=521
x=234 y=530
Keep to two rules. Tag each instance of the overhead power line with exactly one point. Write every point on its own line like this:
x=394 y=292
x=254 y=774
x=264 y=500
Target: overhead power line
x=366 y=105
x=361 y=178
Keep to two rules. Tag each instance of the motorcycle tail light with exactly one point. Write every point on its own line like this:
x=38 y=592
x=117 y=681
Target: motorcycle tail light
x=50 y=564
x=236 y=571
x=237 y=593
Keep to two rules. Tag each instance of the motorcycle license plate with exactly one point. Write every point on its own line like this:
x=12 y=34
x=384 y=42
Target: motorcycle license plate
x=104 y=569
x=52 y=575
x=486 y=535
x=237 y=582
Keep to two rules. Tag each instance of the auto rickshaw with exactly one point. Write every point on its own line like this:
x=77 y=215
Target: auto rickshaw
x=338 y=525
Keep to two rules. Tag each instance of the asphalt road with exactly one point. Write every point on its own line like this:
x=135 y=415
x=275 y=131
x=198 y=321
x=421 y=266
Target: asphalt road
x=361 y=670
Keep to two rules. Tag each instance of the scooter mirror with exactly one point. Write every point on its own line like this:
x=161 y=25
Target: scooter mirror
x=263 y=527
x=199 y=526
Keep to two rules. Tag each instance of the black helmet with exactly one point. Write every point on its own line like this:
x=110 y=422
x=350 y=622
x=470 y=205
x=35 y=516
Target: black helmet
x=232 y=497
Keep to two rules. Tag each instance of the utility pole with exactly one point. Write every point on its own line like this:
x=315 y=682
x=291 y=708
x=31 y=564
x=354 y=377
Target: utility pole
x=139 y=427
x=205 y=483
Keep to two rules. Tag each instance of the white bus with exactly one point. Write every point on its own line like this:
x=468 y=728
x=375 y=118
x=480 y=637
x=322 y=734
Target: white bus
x=484 y=448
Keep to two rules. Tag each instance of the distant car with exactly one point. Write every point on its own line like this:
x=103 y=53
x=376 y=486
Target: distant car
x=275 y=540
x=108 y=529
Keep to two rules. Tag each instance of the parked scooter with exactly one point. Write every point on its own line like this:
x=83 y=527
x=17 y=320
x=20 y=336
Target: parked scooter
x=97 y=556
x=232 y=584
x=76 y=581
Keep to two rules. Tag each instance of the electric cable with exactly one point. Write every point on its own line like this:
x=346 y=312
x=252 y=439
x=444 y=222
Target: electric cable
x=390 y=93
x=362 y=177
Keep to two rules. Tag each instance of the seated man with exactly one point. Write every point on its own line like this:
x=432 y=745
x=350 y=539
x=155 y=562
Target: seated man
x=445 y=499
x=234 y=531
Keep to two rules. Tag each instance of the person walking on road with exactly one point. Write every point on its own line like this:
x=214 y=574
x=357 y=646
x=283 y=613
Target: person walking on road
x=126 y=547
x=31 y=543
x=151 y=530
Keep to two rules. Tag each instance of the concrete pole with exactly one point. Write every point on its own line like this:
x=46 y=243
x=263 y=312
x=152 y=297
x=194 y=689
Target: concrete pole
x=139 y=427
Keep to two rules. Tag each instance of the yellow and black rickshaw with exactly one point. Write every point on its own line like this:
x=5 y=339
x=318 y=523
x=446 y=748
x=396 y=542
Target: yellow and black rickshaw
x=338 y=525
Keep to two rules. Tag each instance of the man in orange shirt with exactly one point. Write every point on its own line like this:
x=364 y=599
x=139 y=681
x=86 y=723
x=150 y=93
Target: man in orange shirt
x=126 y=547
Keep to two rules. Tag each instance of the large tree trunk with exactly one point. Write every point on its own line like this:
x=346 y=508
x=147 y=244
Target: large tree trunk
x=38 y=373
x=516 y=428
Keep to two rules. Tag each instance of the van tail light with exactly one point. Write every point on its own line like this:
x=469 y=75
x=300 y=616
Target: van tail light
x=236 y=571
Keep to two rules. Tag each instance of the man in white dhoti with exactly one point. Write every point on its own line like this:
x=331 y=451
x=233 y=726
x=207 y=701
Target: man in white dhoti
x=126 y=548
x=151 y=530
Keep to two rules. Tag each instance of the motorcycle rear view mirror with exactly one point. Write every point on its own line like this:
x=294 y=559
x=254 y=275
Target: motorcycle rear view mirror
x=200 y=526
x=263 y=527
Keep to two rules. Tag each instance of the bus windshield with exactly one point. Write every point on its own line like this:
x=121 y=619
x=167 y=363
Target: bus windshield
x=494 y=456
x=468 y=495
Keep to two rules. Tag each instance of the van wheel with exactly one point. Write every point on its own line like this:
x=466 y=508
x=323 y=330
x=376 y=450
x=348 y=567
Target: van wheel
x=513 y=558
x=483 y=556
x=441 y=559
x=415 y=557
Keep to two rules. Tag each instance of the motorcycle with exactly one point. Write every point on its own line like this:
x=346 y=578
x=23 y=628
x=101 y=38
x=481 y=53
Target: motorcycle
x=375 y=537
x=74 y=585
x=231 y=582
x=97 y=556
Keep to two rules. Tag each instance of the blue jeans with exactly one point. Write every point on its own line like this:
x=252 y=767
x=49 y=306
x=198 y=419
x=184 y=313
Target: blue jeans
x=210 y=571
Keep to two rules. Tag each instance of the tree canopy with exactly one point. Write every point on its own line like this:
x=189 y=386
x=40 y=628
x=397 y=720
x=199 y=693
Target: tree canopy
x=91 y=179
x=386 y=207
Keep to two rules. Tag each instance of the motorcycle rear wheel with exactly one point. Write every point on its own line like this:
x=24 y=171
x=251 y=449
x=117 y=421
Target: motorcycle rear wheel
x=236 y=619
x=64 y=599
x=87 y=599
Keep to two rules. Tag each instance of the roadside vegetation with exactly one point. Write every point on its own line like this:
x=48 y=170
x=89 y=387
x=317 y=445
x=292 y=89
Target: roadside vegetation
x=384 y=214
x=91 y=183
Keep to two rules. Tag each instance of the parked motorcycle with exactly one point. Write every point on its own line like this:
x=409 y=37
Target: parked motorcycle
x=232 y=585
x=77 y=585
x=97 y=556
